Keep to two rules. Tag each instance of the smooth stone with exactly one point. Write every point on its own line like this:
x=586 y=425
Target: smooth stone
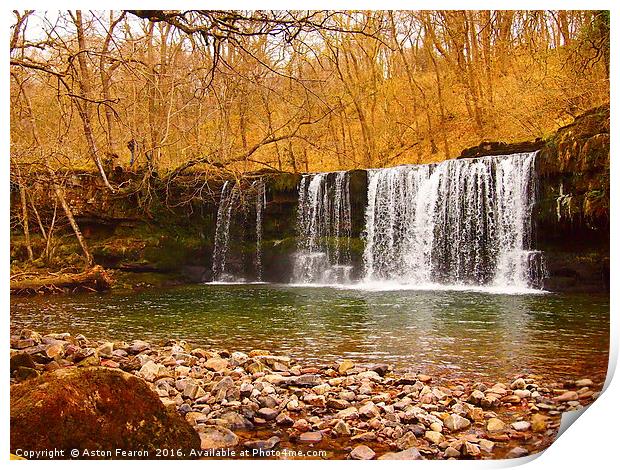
x=518 y=384
x=516 y=452
x=407 y=454
x=341 y=428
x=567 y=396
x=267 y=444
x=584 y=383
x=539 y=422
x=137 y=347
x=521 y=426
x=451 y=452
x=362 y=452
x=268 y=413
x=495 y=425
x=311 y=437
x=217 y=437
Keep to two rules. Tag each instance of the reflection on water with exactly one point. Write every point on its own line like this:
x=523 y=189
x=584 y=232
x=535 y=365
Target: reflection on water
x=456 y=332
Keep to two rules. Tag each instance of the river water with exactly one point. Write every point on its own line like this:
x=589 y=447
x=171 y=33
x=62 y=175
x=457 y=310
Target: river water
x=453 y=333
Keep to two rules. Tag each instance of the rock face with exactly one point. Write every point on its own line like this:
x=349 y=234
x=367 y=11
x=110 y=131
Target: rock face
x=572 y=215
x=94 y=408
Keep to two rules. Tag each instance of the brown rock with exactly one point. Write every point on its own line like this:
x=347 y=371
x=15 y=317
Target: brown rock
x=87 y=408
x=362 y=452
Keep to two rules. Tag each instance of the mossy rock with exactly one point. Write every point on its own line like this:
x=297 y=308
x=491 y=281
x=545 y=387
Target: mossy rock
x=94 y=408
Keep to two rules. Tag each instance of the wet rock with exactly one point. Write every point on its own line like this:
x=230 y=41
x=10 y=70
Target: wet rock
x=85 y=408
x=259 y=352
x=567 y=396
x=380 y=369
x=217 y=437
x=235 y=421
x=455 y=422
x=470 y=449
x=539 y=422
x=365 y=437
x=486 y=445
x=406 y=441
x=302 y=425
x=476 y=397
x=518 y=384
x=267 y=414
x=362 y=452
x=341 y=428
x=408 y=454
x=495 y=425
x=284 y=420
x=267 y=444
x=516 y=452
x=311 y=437
x=521 y=426
x=314 y=400
x=192 y=391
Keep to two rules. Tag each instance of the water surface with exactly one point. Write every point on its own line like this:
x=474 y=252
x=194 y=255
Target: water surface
x=454 y=333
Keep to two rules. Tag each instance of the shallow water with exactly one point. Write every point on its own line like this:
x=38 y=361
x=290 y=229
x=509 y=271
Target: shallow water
x=454 y=333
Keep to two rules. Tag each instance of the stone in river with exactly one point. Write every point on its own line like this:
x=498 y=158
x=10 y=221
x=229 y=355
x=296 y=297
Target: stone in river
x=348 y=413
x=518 y=384
x=106 y=349
x=217 y=437
x=306 y=380
x=234 y=420
x=302 y=425
x=521 y=426
x=380 y=369
x=25 y=373
x=365 y=437
x=267 y=413
x=567 y=396
x=539 y=422
x=362 y=452
x=267 y=444
x=284 y=419
x=259 y=352
x=455 y=422
x=476 y=397
x=408 y=454
x=516 y=452
x=451 y=452
x=341 y=428
x=495 y=425
x=311 y=437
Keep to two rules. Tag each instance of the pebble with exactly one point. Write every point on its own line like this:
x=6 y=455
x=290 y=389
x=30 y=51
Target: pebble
x=495 y=425
x=311 y=437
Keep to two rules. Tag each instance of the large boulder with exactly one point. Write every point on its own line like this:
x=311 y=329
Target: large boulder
x=94 y=408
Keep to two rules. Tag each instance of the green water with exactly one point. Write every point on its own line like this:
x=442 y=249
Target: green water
x=453 y=333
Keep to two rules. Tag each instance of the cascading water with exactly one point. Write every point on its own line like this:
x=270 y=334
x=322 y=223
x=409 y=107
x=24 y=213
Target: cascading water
x=261 y=203
x=456 y=222
x=324 y=228
x=228 y=197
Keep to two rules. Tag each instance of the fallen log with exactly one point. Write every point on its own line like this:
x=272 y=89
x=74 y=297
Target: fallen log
x=94 y=280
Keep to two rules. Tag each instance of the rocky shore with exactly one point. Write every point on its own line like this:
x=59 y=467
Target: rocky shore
x=256 y=404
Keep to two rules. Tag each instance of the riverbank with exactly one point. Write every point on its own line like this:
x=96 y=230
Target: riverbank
x=271 y=406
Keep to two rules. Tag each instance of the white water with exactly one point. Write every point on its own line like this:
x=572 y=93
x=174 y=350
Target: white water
x=228 y=197
x=324 y=230
x=459 y=223
x=261 y=203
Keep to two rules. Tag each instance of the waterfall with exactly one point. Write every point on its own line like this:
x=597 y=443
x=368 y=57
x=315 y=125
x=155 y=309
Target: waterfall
x=261 y=203
x=228 y=197
x=324 y=228
x=456 y=222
